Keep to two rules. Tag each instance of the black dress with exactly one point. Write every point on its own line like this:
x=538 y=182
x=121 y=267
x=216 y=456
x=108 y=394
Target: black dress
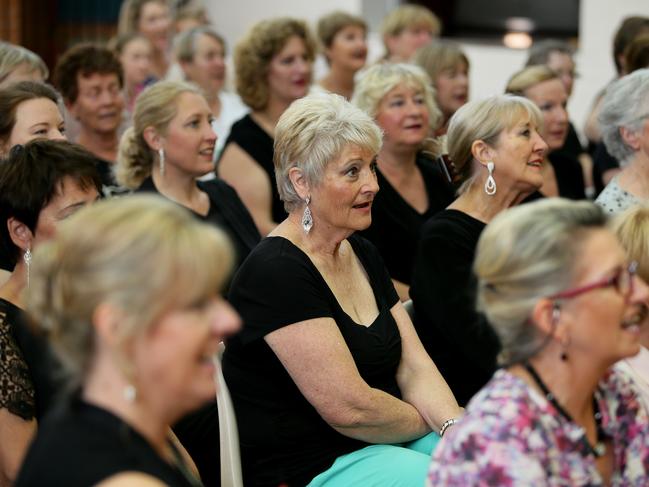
x=396 y=225
x=199 y=431
x=459 y=340
x=80 y=445
x=283 y=438
x=569 y=174
x=17 y=393
x=248 y=135
x=226 y=212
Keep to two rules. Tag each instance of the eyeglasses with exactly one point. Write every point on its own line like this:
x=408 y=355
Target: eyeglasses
x=622 y=281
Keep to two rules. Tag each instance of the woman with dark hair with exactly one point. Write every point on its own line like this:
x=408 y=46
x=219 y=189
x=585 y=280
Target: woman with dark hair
x=29 y=110
x=41 y=184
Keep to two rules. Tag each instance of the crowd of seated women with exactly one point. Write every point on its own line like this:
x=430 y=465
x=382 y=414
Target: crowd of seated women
x=411 y=287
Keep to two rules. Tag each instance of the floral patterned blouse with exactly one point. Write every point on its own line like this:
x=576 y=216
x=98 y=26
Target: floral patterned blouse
x=512 y=436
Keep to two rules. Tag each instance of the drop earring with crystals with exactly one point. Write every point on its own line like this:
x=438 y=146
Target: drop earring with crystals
x=130 y=393
x=307 y=218
x=490 y=183
x=27 y=257
x=161 y=160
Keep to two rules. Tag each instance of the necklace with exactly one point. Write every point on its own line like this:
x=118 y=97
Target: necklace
x=599 y=449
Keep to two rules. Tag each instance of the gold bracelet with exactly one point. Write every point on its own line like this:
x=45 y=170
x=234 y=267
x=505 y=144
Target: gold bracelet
x=446 y=424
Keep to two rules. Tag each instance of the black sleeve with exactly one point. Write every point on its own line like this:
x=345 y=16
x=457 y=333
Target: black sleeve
x=443 y=294
x=16 y=389
x=277 y=286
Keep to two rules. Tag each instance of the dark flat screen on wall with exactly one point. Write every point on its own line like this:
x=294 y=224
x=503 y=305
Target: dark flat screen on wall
x=489 y=18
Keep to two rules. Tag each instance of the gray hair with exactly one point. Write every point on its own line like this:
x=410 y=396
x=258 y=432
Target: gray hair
x=525 y=254
x=185 y=42
x=484 y=120
x=540 y=51
x=378 y=80
x=625 y=104
x=12 y=56
x=312 y=132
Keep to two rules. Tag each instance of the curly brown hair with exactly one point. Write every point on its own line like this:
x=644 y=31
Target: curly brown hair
x=85 y=59
x=253 y=54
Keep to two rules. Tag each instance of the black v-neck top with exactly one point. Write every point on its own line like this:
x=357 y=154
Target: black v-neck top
x=226 y=211
x=283 y=438
x=396 y=225
x=81 y=444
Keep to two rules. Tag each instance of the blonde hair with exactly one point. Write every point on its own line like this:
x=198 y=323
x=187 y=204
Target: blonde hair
x=12 y=57
x=484 y=120
x=130 y=13
x=142 y=254
x=331 y=24
x=155 y=107
x=253 y=54
x=406 y=16
x=311 y=133
x=632 y=230
x=440 y=55
x=527 y=77
x=525 y=254
x=378 y=80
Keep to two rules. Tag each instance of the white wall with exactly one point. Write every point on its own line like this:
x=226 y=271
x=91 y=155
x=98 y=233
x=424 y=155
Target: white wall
x=491 y=66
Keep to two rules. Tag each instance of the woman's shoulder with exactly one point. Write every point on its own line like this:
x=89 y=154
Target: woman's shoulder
x=452 y=224
x=614 y=199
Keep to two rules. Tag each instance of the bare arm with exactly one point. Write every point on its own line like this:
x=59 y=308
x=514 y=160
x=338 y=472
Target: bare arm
x=15 y=436
x=131 y=479
x=591 y=128
x=316 y=356
x=420 y=382
x=402 y=290
x=250 y=181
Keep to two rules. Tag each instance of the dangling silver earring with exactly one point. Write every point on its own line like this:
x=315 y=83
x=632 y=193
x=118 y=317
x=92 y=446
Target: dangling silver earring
x=307 y=218
x=490 y=183
x=161 y=160
x=130 y=393
x=27 y=257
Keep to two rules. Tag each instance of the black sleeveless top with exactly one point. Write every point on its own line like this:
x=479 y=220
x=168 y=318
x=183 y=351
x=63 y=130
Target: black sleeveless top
x=248 y=135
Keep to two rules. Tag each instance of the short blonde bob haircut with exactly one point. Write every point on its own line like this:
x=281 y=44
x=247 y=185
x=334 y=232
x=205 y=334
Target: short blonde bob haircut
x=409 y=16
x=378 y=80
x=155 y=107
x=142 y=254
x=254 y=53
x=632 y=230
x=313 y=132
x=485 y=120
x=527 y=77
x=12 y=57
x=525 y=254
x=439 y=56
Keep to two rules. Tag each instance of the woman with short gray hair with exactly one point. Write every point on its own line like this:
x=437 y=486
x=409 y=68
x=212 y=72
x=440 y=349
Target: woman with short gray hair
x=328 y=362
x=201 y=54
x=498 y=152
x=624 y=122
x=556 y=286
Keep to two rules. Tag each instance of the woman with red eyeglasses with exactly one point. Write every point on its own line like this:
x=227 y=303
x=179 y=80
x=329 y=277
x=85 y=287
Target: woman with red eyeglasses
x=558 y=289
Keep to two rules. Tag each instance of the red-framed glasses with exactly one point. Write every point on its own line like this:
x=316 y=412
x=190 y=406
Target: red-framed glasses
x=622 y=281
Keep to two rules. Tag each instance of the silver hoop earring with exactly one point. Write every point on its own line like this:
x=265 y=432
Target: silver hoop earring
x=490 y=183
x=27 y=257
x=307 y=218
x=161 y=160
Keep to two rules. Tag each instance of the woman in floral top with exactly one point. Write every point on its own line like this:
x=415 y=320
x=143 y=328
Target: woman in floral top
x=556 y=286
